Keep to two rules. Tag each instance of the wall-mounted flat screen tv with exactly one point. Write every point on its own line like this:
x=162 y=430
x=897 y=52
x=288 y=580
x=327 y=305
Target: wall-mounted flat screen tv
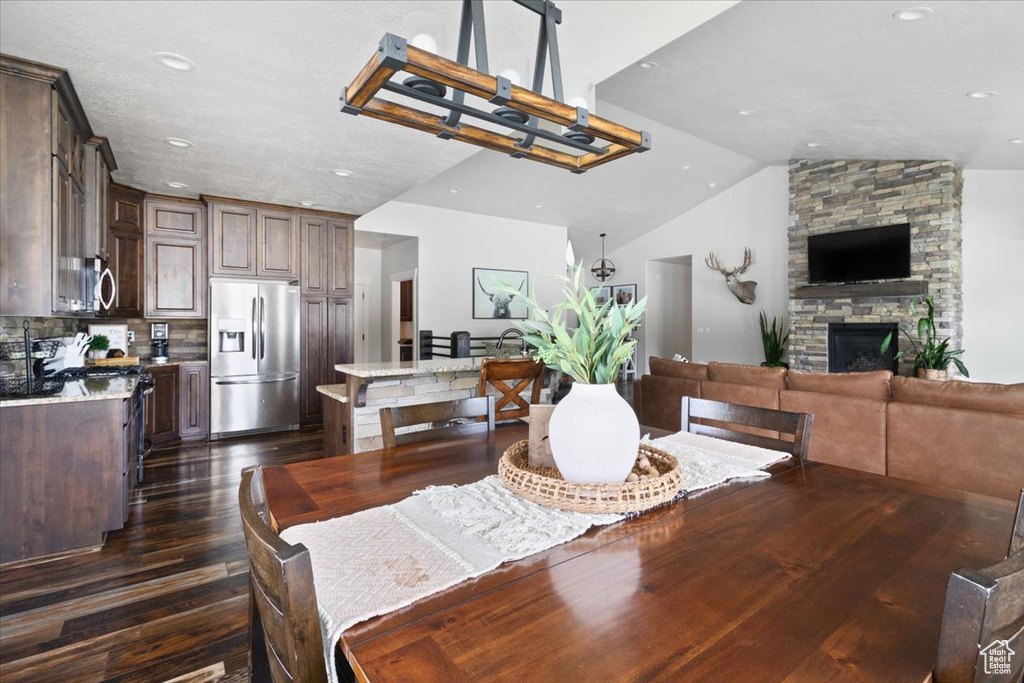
x=867 y=255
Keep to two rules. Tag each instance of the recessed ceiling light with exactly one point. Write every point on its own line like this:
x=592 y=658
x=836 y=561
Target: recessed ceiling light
x=538 y=206
x=744 y=112
x=177 y=186
x=1016 y=141
x=982 y=94
x=712 y=186
x=173 y=61
x=687 y=167
x=308 y=203
x=178 y=142
x=648 y=65
x=912 y=13
x=813 y=144
x=341 y=172
x=454 y=190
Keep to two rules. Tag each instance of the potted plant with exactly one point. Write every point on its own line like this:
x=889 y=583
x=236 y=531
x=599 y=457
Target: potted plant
x=594 y=433
x=98 y=346
x=773 y=340
x=933 y=354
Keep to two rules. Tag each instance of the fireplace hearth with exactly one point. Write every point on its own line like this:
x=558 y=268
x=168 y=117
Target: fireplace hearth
x=855 y=347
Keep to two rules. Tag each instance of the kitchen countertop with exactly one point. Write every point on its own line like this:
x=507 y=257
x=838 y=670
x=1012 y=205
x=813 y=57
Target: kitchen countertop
x=87 y=389
x=409 y=367
x=175 y=362
x=335 y=391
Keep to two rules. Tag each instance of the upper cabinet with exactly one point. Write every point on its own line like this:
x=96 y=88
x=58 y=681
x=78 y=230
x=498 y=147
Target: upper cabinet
x=233 y=236
x=175 y=258
x=125 y=242
x=48 y=192
x=277 y=244
x=340 y=249
x=99 y=161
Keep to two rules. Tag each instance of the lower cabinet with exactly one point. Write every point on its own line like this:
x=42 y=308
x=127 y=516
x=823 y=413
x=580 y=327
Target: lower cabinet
x=326 y=332
x=62 y=476
x=194 y=383
x=178 y=409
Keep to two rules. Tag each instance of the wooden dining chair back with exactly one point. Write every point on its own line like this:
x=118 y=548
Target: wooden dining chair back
x=444 y=420
x=796 y=425
x=982 y=636
x=281 y=585
x=511 y=377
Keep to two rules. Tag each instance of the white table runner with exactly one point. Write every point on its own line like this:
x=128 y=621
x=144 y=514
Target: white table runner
x=380 y=560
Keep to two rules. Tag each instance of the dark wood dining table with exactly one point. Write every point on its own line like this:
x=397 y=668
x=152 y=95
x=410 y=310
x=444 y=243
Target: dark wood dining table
x=819 y=573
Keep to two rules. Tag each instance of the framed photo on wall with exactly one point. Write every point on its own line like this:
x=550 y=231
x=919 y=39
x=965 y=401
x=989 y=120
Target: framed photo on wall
x=623 y=294
x=491 y=304
x=602 y=294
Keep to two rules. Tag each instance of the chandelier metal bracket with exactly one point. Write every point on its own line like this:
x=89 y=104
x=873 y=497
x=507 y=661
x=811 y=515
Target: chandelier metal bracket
x=519 y=109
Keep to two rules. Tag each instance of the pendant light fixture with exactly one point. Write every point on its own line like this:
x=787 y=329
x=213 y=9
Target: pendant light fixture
x=603 y=270
x=589 y=139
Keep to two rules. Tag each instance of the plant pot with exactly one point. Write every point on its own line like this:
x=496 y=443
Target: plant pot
x=937 y=375
x=594 y=435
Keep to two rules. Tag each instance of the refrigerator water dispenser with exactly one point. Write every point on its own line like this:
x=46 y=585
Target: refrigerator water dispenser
x=231 y=336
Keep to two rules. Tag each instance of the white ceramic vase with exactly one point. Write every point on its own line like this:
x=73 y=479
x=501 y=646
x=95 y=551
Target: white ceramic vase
x=594 y=435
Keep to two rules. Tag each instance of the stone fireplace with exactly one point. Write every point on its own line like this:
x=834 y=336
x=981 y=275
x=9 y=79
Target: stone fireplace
x=830 y=196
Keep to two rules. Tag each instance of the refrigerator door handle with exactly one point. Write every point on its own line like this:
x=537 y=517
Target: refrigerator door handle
x=263 y=327
x=271 y=380
x=254 y=328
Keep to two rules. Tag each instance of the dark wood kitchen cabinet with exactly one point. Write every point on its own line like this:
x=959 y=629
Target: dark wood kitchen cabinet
x=62 y=476
x=233 y=232
x=175 y=278
x=126 y=245
x=405 y=301
x=313 y=255
x=44 y=196
x=173 y=217
x=194 y=409
x=277 y=248
x=326 y=330
x=340 y=253
x=163 y=406
x=99 y=162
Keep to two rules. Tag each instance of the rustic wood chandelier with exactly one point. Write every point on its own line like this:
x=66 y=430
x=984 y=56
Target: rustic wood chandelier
x=519 y=109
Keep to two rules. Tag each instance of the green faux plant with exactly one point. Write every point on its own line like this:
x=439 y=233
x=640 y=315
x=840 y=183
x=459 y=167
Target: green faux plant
x=99 y=342
x=933 y=353
x=595 y=350
x=774 y=338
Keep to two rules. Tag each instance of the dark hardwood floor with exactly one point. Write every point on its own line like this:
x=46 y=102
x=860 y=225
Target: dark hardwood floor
x=166 y=597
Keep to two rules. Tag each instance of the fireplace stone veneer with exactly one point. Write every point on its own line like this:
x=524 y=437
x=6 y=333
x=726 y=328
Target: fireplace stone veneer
x=830 y=196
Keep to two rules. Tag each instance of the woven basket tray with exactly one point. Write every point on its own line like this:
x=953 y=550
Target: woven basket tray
x=545 y=486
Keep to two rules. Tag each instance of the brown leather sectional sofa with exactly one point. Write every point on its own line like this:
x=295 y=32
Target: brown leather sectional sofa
x=960 y=435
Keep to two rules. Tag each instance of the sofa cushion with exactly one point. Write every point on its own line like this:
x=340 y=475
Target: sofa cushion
x=673 y=368
x=661 y=402
x=874 y=384
x=751 y=375
x=848 y=431
x=967 y=450
x=992 y=398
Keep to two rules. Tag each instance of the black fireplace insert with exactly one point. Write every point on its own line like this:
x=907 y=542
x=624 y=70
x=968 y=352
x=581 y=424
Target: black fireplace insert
x=856 y=347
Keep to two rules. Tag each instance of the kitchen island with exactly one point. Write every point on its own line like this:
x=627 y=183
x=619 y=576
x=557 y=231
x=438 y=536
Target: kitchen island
x=351 y=410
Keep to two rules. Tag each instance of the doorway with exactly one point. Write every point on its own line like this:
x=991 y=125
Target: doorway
x=404 y=329
x=669 y=323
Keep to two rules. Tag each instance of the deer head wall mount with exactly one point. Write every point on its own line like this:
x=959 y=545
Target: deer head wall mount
x=744 y=291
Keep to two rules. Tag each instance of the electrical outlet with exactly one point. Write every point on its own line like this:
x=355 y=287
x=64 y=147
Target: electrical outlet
x=131 y=336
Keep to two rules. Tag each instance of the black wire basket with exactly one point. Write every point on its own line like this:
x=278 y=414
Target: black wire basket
x=17 y=386
x=41 y=348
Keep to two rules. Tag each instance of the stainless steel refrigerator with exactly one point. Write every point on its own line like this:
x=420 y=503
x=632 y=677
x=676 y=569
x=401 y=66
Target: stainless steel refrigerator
x=254 y=357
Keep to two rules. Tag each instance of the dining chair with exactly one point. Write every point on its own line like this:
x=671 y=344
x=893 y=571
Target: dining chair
x=455 y=418
x=509 y=403
x=796 y=425
x=982 y=636
x=281 y=590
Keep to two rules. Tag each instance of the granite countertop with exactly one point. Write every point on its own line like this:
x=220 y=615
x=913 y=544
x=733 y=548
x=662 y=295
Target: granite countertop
x=88 y=389
x=335 y=391
x=409 y=367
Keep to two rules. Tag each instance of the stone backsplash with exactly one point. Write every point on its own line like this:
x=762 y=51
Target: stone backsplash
x=187 y=337
x=831 y=196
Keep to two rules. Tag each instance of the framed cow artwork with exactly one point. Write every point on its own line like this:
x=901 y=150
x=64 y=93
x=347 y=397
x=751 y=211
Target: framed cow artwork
x=491 y=304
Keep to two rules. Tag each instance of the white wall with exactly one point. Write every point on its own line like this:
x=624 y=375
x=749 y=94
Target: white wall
x=669 y=326
x=367 y=265
x=452 y=243
x=993 y=262
x=754 y=213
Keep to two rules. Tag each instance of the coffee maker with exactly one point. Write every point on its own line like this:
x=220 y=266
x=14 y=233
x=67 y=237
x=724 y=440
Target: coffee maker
x=160 y=341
